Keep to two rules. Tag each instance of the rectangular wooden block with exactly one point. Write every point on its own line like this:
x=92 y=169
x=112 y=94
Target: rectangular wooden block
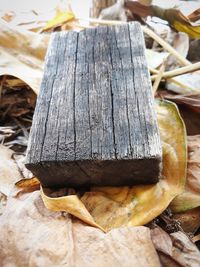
x=94 y=122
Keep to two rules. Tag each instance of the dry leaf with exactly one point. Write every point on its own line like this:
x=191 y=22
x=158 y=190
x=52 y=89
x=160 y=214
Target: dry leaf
x=179 y=41
x=22 y=54
x=139 y=8
x=71 y=204
x=184 y=250
x=60 y=18
x=185 y=84
x=194 y=50
x=114 y=12
x=189 y=220
x=190 y=100
x=190 y=198
x=191 y=120
x=26 y=20
x=33 y=236
x=174 y=16
x=112 y=207
x=177 y=20
x=26 y=186
x=28 y=183
x=9 y=173
x=176 y=249
x=161 y=240
x=155 y=59
x=195 y=15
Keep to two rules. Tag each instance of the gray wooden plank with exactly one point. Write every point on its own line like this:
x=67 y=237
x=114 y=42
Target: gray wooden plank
x=81 y=115
x=103 y=144
x=94 y=121
x=39 y=124
x=150 y=139
x=67 y=138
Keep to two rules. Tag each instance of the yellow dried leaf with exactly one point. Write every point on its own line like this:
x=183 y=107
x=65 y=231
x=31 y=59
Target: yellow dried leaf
x=112 y=207
x=59 y=19
x=192 y=30
x=174 y=16
x=185 y=201
x=178 y=20
x=137 y=205
x=70 y=204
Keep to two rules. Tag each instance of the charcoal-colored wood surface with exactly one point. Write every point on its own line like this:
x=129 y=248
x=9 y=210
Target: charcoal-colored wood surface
x=94 y=122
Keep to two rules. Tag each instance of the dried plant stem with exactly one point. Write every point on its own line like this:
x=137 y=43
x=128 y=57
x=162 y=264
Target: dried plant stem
x=167 y=47
x=154 y=71
x=102 y=21
x=179 y=71
x=158 y=78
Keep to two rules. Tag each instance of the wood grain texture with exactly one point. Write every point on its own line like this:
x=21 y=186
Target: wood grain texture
x=94 y=122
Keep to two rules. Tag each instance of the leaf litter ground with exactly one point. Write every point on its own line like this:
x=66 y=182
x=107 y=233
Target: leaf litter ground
x=126 y=207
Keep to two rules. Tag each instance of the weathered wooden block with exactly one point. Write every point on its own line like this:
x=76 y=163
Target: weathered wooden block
x=94 y=122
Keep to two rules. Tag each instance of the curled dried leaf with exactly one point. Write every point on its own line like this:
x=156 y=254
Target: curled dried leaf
x=111 y=207
x=71 y=204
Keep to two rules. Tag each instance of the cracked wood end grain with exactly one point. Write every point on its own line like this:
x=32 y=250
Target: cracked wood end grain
x=94 y=122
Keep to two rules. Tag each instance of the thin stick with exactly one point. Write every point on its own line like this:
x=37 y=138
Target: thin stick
x=165 y=45
x=183 y=86
x=158 y=78
x=154 y=71
x=103 y=22
x=179 y=71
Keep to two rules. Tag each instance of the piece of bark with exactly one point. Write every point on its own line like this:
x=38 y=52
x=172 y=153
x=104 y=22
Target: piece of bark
x=94 y=122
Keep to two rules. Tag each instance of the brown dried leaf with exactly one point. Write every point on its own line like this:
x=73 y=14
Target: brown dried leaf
x=28 y=183
x=184 y=250
x=190 y=100
x=189 y=220
x=33 y=236
x=18 y=191
x=176 y=249
x=139 y=9
x=161 y=240
x=174 y=16
x=191 y=120
x=195 y=15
